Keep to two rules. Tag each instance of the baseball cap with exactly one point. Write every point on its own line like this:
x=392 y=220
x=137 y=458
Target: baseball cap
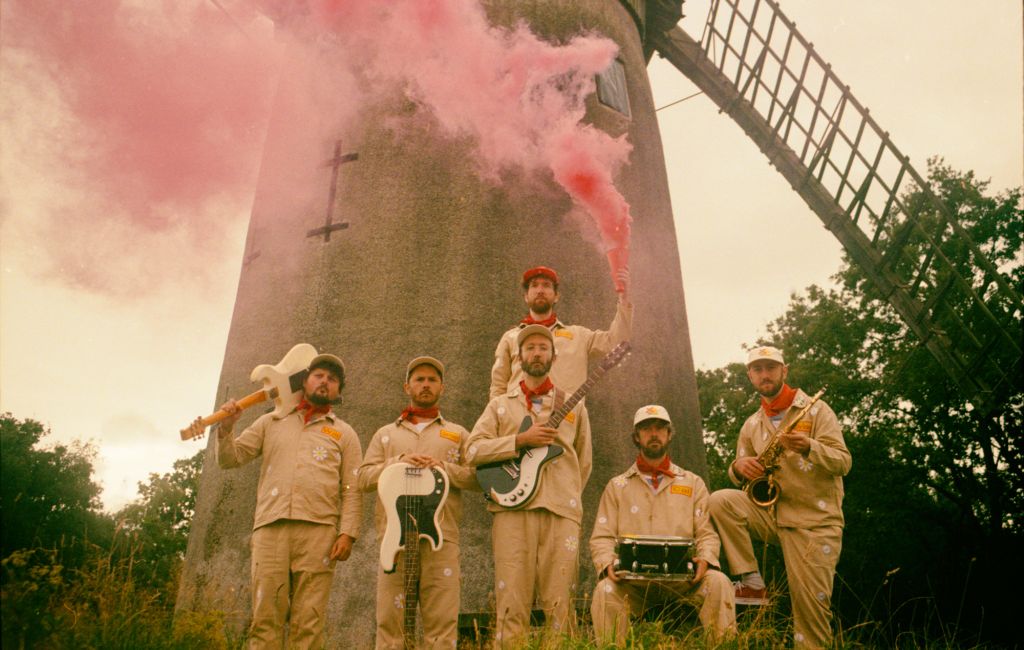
x=651 y=412
x=530 y=330
x=424 y=361
x=765 y=352
x=539 y=271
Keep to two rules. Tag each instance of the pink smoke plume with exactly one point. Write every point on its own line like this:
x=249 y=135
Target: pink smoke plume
x=518 y=97
x=138 y=121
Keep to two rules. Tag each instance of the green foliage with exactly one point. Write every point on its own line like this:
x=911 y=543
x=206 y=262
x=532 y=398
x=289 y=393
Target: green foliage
x=47 y=496
x=935 y=500
x=156 y=525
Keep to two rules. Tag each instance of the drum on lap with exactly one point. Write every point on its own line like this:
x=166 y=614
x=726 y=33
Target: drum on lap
x=651 y=557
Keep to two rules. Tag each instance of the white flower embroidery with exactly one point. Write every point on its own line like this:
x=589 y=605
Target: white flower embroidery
x=799 y=638
x=826 y=549
x=572 y=543
x=385 y=439
x=471 y=452
x=447 y=572
x=501 y=584
x=501 y=410
x=607 y=587
x=326 y=560
x=602 y=520
x=804 y=464
x=572 y=502
x=320 y=454
x=400 y=601
x=822 y=505
x=634 y=509
x=619 y=482
x=453 y=456
x=821 y=595
x=273 y=492
x=698 y=512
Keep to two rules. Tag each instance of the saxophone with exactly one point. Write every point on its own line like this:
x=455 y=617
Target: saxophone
x=763 y=490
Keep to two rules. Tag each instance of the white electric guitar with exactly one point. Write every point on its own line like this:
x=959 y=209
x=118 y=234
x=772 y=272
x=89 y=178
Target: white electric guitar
x=281 y=383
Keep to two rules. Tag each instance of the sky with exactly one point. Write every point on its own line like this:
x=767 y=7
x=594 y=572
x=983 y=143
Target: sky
x=118 y=270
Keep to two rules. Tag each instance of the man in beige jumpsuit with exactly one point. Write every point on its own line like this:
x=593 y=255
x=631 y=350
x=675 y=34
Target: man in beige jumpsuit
x=657 y=497
x=575 y=345
x=535 y=547
x=807 y=520
x=308 y=509
x=423 y=438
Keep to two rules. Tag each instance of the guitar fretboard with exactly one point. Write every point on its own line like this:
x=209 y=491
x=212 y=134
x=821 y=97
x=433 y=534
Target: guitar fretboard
x=606 y=364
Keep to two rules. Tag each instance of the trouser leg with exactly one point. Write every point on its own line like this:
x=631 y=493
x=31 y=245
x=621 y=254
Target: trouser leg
x=557 y=569
x=738 y=521
x=613 y=604
x=440 y=583
x=390 y=606
x=312 y=576
x=514 y=540
x=811 y=556
x=270 y=586
x=715 y=597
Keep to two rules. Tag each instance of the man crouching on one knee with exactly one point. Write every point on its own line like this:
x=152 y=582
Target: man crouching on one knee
x=656 y=497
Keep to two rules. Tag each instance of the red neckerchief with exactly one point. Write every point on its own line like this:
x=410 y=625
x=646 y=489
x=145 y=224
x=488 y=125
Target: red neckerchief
x=411 y=413
x=781 y=402
x=664 y=467
x=547 y=322
x=543 y=389
x=309 y=411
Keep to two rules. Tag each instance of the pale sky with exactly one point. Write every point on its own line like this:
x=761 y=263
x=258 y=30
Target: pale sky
x=128 y=367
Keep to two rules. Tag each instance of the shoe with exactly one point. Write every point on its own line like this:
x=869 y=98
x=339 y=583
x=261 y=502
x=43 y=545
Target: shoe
x=749 y=596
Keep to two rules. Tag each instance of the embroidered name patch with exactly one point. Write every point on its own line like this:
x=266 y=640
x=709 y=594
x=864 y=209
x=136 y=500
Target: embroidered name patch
x=565 y=334
x=685 y=490
x=334 y=433
x=570 y=417
x=454 y=436
x=803 y=426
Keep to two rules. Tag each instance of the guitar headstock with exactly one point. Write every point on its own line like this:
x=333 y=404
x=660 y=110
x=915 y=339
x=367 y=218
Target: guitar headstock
x=615 y=357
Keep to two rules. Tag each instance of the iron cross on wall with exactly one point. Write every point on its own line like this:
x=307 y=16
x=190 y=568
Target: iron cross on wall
x=336 y=161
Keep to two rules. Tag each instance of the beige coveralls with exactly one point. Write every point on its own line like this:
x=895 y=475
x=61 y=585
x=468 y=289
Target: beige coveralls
x=575 y=346
x=306 y=498
x=807 y=520
x=630 y=506
x=440 y=578
x=536 y=548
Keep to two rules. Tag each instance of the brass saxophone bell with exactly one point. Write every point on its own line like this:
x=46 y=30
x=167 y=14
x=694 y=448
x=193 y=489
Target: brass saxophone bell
x=763 y=491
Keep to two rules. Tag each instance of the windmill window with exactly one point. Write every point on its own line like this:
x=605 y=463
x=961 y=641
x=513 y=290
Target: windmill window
x=611 y=88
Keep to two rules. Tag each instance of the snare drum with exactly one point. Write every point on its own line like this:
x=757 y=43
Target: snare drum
x=649 y=557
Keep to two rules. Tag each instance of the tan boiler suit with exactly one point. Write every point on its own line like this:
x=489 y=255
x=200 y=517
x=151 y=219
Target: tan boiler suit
x=679 y=507
x=305 y=499
x=807 y=520
x=536 y=548
x=575 y=346
x=440 y=578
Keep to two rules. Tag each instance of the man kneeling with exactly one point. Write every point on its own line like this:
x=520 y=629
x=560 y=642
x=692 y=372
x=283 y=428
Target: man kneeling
x=655 y=497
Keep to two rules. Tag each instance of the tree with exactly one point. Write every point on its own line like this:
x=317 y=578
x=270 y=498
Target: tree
x=156 y=525
x=935 y=500
x=47 y=496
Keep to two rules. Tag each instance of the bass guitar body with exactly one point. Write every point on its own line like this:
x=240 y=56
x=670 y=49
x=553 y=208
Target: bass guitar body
x=513 y=483
x=413 y=498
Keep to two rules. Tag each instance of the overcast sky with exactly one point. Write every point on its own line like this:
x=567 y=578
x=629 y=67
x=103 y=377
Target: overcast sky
x=100 y=346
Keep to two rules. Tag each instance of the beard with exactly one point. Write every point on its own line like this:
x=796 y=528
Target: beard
x=654 y=452
x=537 y=369
x=541 y=306
x=769 y=389
x=319 y=399
x=425 y=400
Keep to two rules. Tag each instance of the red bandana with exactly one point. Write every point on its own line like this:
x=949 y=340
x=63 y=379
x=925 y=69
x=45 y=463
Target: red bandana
x=780 y=403
x=411 y=413
x=661 y=468
x=543 y=389
x=547 y=322
x=309 y=411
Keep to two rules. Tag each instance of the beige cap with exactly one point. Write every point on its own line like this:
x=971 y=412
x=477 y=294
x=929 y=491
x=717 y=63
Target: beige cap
x=424 y=361
x=765 y=352
x=530 y=330
x=327 y=358
x=651 y=412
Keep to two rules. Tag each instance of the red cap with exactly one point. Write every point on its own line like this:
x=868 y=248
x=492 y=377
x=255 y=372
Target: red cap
x=542 y=271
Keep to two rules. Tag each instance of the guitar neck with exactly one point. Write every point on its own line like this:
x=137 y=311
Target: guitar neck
x=574 y=399
x=411 y=566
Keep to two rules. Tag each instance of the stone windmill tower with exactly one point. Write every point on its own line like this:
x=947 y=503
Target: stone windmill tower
x=415 y=254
